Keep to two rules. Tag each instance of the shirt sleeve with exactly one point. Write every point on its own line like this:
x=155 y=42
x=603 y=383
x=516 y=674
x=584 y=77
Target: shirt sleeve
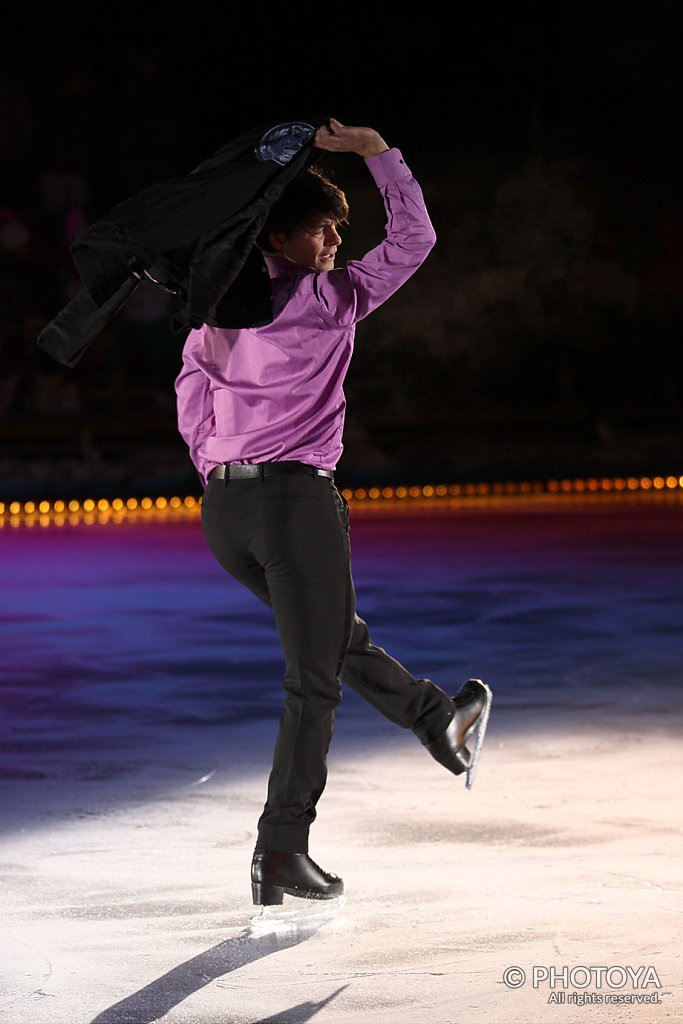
x=350 y=293
x=196 y=419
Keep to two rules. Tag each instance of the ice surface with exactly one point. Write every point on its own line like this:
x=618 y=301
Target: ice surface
x=297 y=915
x=141 y=692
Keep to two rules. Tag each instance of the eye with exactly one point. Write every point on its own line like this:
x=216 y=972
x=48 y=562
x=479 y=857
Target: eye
x=318 y=230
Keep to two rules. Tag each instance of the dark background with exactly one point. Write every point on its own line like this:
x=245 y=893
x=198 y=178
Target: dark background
x=542 y=336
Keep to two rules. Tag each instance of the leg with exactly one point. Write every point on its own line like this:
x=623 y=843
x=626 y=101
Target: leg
x=306 y=574
x=441 y=723
x=281 y=538
x=416 y=704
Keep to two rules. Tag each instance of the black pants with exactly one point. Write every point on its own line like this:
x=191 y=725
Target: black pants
x=286 y=539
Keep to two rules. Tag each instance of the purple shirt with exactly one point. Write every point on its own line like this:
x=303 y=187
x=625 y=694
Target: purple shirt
x=275 y=393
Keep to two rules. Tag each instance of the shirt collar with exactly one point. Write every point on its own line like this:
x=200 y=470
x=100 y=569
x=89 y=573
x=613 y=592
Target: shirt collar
x=279 y=268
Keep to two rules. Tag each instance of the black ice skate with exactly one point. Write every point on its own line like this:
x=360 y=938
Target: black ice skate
x=472 y=706
x=274 y=874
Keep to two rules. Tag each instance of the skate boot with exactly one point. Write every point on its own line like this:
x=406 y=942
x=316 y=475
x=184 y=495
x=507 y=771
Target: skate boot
x=471 y=712
x=273 y=874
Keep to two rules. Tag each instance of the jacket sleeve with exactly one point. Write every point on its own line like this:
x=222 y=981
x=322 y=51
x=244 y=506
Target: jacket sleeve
x=196 y=419
x=347 y=295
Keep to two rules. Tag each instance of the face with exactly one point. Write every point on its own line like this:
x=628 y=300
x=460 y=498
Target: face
x=314 y=244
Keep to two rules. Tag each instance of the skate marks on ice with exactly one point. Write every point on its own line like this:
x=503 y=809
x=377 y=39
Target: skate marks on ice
x=25 y=973
x=157 y=999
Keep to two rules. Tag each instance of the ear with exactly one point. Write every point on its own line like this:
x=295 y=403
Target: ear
x=277 y=241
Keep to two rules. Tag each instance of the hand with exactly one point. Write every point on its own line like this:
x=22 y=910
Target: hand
x=339 y=138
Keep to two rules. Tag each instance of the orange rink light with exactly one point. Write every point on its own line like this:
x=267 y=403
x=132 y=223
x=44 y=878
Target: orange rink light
x=413 y=496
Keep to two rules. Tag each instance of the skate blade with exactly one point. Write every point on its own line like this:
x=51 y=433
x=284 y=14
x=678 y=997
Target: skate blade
x=311 y=912
x=481 y=733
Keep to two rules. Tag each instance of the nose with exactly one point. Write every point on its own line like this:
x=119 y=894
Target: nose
x=332 y=236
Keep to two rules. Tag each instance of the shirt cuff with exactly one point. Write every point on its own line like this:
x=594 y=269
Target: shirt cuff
x=387 y=167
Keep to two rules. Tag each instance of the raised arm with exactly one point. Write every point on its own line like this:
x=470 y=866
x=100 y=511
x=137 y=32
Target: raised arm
x=349 y=294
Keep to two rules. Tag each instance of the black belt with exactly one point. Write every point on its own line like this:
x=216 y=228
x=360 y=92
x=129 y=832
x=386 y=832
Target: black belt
x=261 y=469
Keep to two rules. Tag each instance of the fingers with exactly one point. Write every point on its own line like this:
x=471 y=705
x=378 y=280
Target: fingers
x=323 y=137
x=325 y=131
x=329 y=138
x=337 y=138
x=328 y=133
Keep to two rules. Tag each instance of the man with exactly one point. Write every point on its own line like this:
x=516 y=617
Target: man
x=262 y=411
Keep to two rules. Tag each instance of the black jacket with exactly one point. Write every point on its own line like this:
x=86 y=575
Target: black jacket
x=194 y=235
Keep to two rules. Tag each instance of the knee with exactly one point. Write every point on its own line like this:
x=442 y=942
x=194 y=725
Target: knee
x=315 y=688
x=360 y=636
